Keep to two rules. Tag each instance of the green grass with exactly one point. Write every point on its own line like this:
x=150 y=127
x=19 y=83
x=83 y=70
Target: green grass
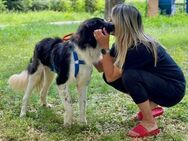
x=108 y=110
x=42 y=16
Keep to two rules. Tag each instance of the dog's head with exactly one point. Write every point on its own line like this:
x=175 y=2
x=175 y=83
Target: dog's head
x=84 y=36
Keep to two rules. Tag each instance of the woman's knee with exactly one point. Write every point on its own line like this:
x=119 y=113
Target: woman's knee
x=130 y=77
x=117 y=84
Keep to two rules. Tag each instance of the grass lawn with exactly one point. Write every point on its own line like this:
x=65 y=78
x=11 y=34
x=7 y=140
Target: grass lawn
x=108 y=111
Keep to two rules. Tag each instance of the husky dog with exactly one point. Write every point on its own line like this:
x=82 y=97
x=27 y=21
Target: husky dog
x=70 y=60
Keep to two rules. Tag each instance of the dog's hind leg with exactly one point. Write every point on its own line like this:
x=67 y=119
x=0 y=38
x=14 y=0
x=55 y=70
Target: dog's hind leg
x=65 y=97
x=48 y=78
x=82 y=89
x=33 y=80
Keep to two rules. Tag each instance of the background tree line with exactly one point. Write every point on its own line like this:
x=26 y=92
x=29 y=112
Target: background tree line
x=56 y=5
x=59 y=5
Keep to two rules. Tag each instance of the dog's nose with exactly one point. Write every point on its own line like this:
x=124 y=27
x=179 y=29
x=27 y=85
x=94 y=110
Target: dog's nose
x=110 y=27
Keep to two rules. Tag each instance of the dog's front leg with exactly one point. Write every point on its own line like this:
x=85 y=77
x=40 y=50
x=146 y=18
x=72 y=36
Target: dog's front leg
x=82 y=103
x=65 y=97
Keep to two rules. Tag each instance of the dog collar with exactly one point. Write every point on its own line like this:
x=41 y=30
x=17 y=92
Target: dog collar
x=77 y=63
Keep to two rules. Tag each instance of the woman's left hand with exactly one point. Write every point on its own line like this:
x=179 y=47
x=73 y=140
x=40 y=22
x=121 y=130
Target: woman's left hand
x=102 y=37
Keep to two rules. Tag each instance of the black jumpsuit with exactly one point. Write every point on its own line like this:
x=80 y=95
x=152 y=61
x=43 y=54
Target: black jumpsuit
x=164 y=84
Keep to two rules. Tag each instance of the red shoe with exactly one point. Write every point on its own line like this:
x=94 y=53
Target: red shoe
x=155 y=112
x=142 y=132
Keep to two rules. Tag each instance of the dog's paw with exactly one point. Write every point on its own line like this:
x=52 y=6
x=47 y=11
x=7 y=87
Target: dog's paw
x=22 y=115
x=67 y=124
x=47 y=105
x=83 y=121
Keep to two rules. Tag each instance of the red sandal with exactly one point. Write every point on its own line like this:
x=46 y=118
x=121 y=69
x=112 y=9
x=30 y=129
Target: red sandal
x=142 y=132
x=158 y=111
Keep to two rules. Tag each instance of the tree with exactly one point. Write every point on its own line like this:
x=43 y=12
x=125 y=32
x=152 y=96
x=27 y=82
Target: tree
x=74 y=4
x=90 y=5
x=108 y=6
x=13 y=4
x=152 y=7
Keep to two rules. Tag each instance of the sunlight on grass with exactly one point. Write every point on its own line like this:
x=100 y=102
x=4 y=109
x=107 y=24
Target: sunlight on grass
x=43 y=16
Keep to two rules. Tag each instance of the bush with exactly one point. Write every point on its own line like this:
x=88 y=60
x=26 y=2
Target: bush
x=81 y=6
x=90 y=6
x=19 y=5
x=100 y=5
x=2 y=6
x=14 y=5
x=57 y=5
x=26 y=5
x=38 y=5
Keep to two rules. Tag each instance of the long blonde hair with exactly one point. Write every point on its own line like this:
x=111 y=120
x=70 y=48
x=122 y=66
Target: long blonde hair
x=129 y=32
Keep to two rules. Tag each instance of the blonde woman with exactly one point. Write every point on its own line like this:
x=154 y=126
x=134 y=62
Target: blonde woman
x=139 y=66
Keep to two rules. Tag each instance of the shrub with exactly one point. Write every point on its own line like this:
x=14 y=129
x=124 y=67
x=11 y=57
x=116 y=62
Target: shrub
x=90 y=6
x=2 y=6
x=40 y=5
x=57 y=5
x=81 y=6
x=100 y=5
x=26 y=5
x=14 y=5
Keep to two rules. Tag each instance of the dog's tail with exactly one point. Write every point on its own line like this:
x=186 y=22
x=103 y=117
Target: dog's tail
x=19 y=82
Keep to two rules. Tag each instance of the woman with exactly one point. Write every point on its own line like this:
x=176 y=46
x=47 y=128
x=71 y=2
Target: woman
x=139 y=66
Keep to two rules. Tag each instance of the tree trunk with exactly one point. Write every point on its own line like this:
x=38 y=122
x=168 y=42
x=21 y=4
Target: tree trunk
x=152 y=8
x=108 y=6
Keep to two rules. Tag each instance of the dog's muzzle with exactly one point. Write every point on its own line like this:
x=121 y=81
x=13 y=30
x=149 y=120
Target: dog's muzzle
x=110 y=28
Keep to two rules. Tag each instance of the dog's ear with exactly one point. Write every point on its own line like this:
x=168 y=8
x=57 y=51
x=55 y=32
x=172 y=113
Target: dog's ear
x=85 y=37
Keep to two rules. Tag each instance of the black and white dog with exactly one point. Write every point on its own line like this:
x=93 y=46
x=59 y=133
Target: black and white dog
x=70 y=60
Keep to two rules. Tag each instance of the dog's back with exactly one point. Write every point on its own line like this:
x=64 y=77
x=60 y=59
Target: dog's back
x=50 y=52
x=43 y=51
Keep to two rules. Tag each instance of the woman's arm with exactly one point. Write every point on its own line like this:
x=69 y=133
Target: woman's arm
x=99 y=66
x=111 y=72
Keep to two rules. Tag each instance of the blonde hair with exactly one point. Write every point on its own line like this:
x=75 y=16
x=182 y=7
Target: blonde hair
x=129 y=32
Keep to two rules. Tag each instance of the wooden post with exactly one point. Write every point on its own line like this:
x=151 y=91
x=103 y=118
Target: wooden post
x=152 y=7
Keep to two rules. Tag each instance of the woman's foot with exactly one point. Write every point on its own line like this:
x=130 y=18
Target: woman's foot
x=157 y=111
x=144 y=129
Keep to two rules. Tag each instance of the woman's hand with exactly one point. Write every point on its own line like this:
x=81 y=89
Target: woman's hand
x=102 y=37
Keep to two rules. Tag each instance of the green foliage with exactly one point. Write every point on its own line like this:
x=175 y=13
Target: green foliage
x=40 y=5
x=26 y=5
x=2 y=6
x=141 y=6
x=56 y=5
x=90 y=6
x=14 y=5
